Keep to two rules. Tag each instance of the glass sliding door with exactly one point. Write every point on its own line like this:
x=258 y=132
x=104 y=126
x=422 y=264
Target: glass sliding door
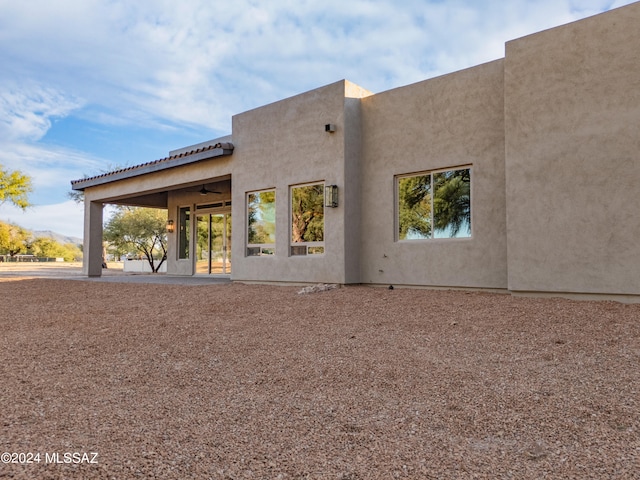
x=213 y=255
x=220 y=242
x=203 y=245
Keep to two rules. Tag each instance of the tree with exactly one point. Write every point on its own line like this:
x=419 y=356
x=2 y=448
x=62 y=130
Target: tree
x=13 y=239
x=78 y=195
x=437 y=205
x=141 y=229
x=451 y=202
x=48 y=247
x=307 y=212
x=262 y=217
x=414 y=207
x=15 y=187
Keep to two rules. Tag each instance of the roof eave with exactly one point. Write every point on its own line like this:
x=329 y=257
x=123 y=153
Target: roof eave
x=178 y=161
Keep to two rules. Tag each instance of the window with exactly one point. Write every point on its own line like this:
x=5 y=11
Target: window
x=307 y=219
x=434 y=205
x=261 y=219
x=183 y=232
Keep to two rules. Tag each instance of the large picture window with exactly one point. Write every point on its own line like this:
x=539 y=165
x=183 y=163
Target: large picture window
x=261 y=219
x=307 y=219
x=434 y=204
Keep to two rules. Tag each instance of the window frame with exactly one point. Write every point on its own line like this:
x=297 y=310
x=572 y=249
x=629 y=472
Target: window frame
x=305 y=249
x=431 y=173
x=261 y=249
x=183 y=249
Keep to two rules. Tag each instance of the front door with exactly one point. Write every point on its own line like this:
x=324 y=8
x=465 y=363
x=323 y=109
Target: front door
x=213 y=253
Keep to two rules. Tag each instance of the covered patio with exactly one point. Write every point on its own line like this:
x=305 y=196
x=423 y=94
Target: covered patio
x=188 y=179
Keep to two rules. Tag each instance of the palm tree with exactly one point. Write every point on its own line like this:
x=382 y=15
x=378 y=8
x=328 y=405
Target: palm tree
x=452 y=202
x=435 y=205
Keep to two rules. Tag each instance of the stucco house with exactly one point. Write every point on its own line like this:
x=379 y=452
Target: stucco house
x=518 y=175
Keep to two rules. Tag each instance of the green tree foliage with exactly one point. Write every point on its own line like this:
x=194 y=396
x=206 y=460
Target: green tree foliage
x=50 y=248
x=208 y=244
x=414 y=207
x=140 y=229
x=452 y=201
x=262 y=217
x=15 y=188
x=13 y=239
x=307 y=211
x=435 y=205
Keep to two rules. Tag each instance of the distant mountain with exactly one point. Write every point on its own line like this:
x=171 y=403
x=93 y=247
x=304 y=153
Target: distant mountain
x=57 y=237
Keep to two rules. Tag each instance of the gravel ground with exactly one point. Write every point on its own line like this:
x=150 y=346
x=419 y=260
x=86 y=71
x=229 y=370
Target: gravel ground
x=245 y=381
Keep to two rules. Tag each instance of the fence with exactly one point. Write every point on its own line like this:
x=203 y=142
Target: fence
x=28 y=258
x=142 y=266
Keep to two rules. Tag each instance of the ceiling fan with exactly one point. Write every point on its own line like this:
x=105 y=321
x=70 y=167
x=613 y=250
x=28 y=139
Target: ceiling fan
x=204 y=191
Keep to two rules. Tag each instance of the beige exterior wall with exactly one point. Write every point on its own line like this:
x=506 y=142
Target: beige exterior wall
x=572 y=98
x=449 y=121
x=285 y=144
x=551 y=136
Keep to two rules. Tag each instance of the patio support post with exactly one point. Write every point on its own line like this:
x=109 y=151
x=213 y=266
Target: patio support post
x=92 y=263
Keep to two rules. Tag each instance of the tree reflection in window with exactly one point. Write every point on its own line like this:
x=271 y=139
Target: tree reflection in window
x=261 y=214
x=307 y=219
x=435 y=205
x=184 y=235
x=414 y=207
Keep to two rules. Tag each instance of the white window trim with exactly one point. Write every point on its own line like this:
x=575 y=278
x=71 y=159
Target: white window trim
x=190 y=211
x=261 y=246
x=306 y=244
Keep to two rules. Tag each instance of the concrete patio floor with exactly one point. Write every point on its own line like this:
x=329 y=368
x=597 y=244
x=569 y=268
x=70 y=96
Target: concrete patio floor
x=114 y=274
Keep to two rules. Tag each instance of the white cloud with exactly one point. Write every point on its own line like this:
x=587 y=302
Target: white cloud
x=163 y=64
x=26 y=111
x=51 y=168
x=66 y=218
x=200 y=62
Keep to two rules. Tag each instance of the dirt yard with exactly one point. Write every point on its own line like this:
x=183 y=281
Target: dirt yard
x=258 y=382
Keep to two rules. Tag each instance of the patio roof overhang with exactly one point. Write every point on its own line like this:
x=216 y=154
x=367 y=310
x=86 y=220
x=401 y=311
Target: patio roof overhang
x=219 y=149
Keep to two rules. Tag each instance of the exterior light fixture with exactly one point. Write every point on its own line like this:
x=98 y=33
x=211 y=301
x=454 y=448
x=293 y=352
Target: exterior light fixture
x=170 y=226
x=331 y=196
x=330 y=127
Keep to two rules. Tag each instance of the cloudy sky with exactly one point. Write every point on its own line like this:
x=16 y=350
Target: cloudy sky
x=89 y=85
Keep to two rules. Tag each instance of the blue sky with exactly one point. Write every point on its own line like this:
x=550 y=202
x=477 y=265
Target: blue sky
x=89 y=85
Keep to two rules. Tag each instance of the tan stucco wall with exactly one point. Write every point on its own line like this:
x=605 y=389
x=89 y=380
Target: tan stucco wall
x=550 y=132
x=444 y=122
x=572 y=98
x=285 y=144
